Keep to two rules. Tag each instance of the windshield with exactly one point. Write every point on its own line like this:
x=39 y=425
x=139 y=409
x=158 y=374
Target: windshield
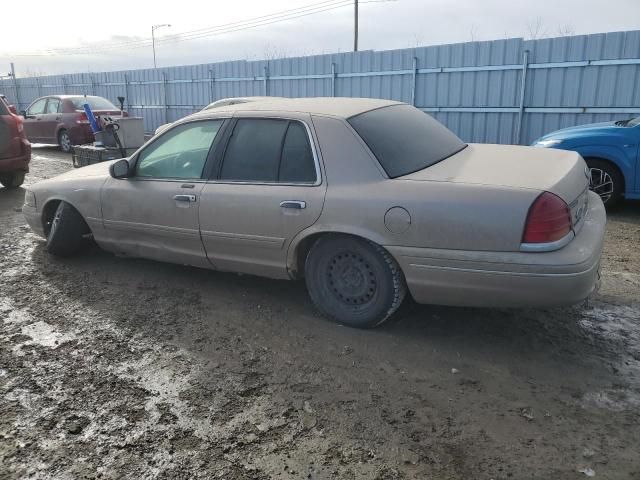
x=404 y=139
x=633 y=122
x=96 y=103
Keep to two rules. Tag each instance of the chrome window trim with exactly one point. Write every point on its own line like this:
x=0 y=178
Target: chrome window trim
x=316 y=160
x=549 y=246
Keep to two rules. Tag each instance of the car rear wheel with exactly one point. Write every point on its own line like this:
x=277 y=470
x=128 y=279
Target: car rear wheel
x=66 y=231
x=12 y=180
x=64 y=141
x=606 y=180
x=353 y=281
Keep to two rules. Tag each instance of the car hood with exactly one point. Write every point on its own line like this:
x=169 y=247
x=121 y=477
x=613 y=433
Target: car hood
x=580 y=131
x=558 y=171
x=96 y=170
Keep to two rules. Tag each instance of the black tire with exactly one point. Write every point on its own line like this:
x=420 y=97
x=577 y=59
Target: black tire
x=64 y=141
x=353 y=281
x=606 y=181
x=66 y=231
x=12 y=180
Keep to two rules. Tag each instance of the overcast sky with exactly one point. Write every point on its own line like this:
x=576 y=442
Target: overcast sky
x=121 y=29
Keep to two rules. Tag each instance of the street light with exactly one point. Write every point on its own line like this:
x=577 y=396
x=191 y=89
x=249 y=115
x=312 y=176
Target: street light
x=153 y=39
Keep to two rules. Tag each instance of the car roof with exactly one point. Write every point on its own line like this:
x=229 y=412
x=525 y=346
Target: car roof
x=333 y=106
x=65 y=97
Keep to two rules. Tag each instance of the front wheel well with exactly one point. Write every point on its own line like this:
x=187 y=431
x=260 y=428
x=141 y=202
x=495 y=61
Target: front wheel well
x=611 y=164
x=49 y=210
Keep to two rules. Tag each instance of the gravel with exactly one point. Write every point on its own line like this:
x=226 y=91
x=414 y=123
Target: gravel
x=120 y=368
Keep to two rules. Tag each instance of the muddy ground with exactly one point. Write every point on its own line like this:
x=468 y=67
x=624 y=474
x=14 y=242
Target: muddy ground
x=115 y=368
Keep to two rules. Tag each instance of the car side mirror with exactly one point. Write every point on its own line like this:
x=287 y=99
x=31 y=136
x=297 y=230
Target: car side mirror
x=120 y=169
x=23 y=113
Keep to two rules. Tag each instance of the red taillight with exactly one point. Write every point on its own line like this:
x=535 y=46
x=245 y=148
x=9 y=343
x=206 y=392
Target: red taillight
x=82 y=119
x=549 y=219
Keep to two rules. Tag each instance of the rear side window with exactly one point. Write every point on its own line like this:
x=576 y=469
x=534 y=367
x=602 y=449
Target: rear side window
x=96 y=103
x=404 y=139
x=269 y=150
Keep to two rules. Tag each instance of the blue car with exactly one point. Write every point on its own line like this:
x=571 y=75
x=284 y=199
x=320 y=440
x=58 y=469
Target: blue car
x=612 y=151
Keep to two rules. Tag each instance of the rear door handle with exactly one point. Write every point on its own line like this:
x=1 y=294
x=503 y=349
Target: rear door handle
x=296 y=204
x=184 y=198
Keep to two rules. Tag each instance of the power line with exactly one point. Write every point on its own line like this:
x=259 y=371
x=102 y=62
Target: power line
x=255 y=22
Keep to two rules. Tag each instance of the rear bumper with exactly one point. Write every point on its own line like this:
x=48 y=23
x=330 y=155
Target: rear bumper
x=81 y=134
x=508 y=279
x=19 y=163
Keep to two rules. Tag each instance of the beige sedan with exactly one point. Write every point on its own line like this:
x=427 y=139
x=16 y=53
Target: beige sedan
x=365 y=199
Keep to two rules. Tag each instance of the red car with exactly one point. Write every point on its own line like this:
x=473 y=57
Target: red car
x=60 y=119
x=15 y=149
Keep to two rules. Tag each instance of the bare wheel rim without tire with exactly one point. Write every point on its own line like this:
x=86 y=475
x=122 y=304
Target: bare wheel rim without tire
x=601 y=183
x=351 y=279
x=65 y=141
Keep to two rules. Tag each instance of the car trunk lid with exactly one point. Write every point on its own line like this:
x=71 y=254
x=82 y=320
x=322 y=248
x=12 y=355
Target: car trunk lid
x=560 y=172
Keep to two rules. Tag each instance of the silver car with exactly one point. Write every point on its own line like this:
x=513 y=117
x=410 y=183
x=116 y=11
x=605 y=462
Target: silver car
x=223 y=102
x=365 y=199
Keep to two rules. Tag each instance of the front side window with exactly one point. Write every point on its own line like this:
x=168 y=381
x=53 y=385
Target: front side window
x=269 y=150
x=53 y=105
x=37 y=107
x=180 y=153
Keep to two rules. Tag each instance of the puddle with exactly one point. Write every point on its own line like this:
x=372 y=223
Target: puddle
x=614 y=400
x=618 y=323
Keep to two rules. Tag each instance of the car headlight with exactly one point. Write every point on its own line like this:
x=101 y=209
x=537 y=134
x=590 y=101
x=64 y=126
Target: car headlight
x=551 y=142
x=30 y=199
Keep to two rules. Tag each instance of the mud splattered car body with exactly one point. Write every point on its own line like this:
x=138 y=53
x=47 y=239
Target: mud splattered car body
x=364 y=198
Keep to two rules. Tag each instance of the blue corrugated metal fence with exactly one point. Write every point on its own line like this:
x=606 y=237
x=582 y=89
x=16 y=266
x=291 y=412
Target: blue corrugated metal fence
x=500 y=91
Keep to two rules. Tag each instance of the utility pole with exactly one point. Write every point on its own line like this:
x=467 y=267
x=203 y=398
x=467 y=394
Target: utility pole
x=15 y=86
x=153 y=40
x=355 y=25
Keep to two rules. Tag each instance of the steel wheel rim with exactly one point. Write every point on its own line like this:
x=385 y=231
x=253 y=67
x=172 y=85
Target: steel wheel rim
x=601 y=183
x=351 y=279
x=65 y=142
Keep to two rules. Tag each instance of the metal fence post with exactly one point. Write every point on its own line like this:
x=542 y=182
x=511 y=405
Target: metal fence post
x=64 y=85
x=212 y=81
x=266 y=80
x=333 y=79
x=166 y=102
x=126 y=91
x=38 y=87
x=414 y=79
x=523 y=91
x=93 y=85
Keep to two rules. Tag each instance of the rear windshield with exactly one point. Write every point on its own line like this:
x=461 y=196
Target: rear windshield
x=96 y=103
x=404 y=139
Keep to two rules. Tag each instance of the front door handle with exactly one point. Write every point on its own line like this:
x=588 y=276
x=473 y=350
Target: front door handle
x=296 y=204
x=184 y=198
